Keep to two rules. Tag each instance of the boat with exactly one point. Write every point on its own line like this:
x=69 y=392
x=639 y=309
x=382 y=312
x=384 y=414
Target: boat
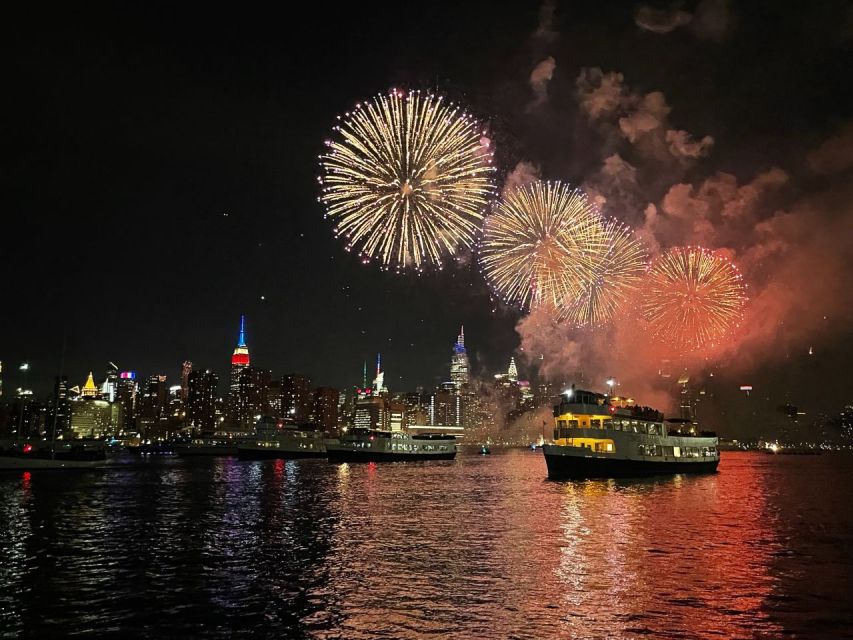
x=601 y=436
x=277 y=439
x=61 y=454
x=484 y=450
x=206 y=447
x=373 y=445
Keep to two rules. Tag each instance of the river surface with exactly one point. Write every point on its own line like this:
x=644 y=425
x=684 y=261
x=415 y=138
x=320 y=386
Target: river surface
x=480 y=547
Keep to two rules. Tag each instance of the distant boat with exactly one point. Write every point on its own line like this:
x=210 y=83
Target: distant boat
x=372 y=445
x=275 y=439
x=63 y=454
x=206 y=447
x=484 y=450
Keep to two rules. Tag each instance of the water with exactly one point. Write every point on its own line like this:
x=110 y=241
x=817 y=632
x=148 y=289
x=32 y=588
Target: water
x=483 y=546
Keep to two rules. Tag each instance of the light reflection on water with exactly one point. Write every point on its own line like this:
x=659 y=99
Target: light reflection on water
x=482 y=546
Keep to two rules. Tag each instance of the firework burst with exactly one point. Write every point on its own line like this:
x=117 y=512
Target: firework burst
x=539 y=245
x=617 y=266
x=406 y=180
x=693 y=298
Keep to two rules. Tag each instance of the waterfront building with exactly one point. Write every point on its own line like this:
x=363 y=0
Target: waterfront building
x=186 y=370
x=371 y=413
x=151 y=419
x=202 y=391
x=94 y=418
x=252 y=390
x=296 y=398
x=126 y=396
x=325 y=409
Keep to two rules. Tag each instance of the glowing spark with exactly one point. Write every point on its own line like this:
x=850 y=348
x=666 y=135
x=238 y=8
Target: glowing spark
x=406 y=180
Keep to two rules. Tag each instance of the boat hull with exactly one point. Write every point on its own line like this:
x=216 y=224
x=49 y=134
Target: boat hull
x=569 y=467
x=188 y=451
x=21 y=463
x=349 y=455
x=272 y=453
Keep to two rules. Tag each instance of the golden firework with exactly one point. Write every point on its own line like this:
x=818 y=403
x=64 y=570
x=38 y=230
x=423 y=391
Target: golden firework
x=618 y=265
x=406 y=179
x=693 y=298
x=539 y=245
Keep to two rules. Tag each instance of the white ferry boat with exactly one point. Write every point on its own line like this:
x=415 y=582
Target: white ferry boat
x=597 y=435
x=277 y=439
x=371 y=445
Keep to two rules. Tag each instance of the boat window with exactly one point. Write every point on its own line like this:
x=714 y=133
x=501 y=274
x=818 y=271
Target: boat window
x=676 y=451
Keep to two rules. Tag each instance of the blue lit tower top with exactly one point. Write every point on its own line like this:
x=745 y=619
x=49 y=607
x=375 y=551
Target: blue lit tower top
x=241 y=342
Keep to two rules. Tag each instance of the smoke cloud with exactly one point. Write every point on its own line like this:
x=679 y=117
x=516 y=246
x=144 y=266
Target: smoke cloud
x=539 y=78
x=773 y=225
x=712 y=19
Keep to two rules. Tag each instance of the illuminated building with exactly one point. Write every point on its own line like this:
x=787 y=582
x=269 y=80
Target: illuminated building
x=459 y=362
x=296 y=398
x=90 y=390
x=379 y=381
x=239 y=361
x=186 y=370
x=396 y=415
x=126 y=397
x=417 y=407
x=325 y=410
x=152 y=407
x=512 y=372
x=110 y=386
x=371 y=413
x=94 y=418
x=445 y=407
x=61 y=410
x=175 y=410
x=274 y=399
x=201 y=401
x=252 y=389
x=1 y=378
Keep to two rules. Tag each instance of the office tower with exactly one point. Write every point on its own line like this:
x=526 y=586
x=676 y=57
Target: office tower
x=202 y=390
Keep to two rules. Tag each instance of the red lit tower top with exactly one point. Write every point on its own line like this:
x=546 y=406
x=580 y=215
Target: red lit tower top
x=240 y=357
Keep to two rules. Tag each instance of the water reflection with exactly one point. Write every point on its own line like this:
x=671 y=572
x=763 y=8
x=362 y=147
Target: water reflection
x=476 y=547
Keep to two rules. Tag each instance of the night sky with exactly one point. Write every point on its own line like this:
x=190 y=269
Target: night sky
x=161 y=164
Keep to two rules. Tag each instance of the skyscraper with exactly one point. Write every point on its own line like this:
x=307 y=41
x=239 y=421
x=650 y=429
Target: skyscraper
x=325 y=410
x=239 y=361
x=110 y=386
x=512 y=372
x=296 y=399
x=252 y=388
x=126 y=394
x=201 y=401
x=186 y=369
x=459 y=365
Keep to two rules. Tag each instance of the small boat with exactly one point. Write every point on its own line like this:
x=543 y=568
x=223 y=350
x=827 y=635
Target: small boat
x=206 y=447
x=276 y=439
x=372 y=445
x=43 y=455
x=484 y=450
